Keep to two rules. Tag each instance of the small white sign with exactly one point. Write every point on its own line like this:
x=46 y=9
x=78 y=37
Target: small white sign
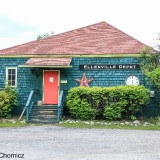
x=51 y=79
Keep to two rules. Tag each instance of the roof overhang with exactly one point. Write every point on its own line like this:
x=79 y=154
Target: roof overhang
x=48 y=63
x=73 y=56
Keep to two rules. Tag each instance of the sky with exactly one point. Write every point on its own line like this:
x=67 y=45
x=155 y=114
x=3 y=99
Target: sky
x=22 y=20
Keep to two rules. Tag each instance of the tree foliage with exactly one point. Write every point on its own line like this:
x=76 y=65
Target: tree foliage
x=44 y=35
x=150 y=65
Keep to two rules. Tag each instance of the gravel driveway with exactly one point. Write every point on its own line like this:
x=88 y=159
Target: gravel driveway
x=57 y=143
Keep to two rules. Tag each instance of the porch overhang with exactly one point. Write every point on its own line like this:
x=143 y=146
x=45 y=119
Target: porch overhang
x=48 y=63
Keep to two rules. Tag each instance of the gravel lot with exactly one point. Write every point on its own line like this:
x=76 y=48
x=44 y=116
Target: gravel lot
x=58 y=143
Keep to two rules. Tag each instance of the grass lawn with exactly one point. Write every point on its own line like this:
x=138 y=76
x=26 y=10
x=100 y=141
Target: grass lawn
x=149 y=124
x=12 y=122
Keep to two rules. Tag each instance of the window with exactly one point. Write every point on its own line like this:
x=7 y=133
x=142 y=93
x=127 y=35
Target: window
x=11 y=76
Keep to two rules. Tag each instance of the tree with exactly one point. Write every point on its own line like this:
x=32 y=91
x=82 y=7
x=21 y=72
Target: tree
x=157 y=43
x=150 y=65
x=44 y=35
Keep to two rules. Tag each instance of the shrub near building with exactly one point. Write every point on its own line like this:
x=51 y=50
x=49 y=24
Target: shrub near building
x=8 y=100
x=112 y=103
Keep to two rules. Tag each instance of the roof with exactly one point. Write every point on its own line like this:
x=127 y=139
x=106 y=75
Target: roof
x=48 y=62
x=97 y=39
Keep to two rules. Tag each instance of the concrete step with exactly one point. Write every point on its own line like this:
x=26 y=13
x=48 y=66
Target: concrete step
x=42 y=109
x=43 y=114
x=45 y=107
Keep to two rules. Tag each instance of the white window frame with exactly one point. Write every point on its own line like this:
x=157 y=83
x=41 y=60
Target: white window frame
x=7 y=68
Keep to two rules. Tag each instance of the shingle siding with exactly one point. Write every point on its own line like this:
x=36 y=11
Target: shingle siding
x=102 y=77
x=27 y=80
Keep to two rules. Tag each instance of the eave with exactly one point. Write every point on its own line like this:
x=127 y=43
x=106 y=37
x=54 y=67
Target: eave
x=67 y=56
x=25 y=66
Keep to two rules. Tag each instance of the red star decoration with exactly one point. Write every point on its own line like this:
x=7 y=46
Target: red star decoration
x=84 y=81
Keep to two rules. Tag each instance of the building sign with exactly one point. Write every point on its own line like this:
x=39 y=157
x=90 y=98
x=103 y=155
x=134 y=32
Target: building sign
x=109 y=66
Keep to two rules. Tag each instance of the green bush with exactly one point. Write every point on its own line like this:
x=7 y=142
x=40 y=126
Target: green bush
x=112 y=103
x=8 y=100
x=78 y=106
x=113 y=112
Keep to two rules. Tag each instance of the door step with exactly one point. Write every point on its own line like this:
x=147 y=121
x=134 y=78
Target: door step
x=43 y=114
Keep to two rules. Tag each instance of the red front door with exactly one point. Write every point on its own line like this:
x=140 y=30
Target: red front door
x=50 y=91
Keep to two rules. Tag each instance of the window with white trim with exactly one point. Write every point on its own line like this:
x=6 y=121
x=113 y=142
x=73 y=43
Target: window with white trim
x=11 y=76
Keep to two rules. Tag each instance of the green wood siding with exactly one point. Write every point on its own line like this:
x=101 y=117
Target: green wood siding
x=27 y=80
x=103 y=78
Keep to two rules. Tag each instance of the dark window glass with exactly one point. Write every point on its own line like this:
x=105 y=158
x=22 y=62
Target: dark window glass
x=9 y=71
x=13 y=71
x=9 y=77
x=13 y=77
